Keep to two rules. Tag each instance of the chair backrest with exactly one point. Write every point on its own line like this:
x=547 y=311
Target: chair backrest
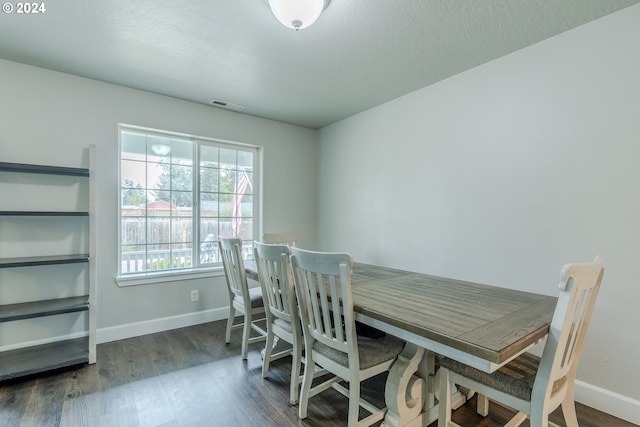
x=579 y=288
x=280 y=238
x=276 y=279
x=231 y=254
x=323 y=288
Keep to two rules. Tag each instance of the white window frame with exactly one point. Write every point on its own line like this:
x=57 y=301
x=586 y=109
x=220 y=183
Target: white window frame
x=197 y=270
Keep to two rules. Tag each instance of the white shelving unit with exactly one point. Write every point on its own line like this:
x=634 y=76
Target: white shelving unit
x=53 y=353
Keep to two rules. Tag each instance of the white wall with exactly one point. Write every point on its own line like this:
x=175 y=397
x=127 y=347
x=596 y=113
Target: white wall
x=501 y=175
x=50 y=118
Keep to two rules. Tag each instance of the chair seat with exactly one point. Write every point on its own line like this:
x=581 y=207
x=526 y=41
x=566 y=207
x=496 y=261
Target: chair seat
x=371 y=351
x=515 y=378
x=284 y=325
x=255 y=296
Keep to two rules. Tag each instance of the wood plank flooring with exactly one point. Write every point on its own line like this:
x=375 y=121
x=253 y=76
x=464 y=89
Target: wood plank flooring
x=189 y=377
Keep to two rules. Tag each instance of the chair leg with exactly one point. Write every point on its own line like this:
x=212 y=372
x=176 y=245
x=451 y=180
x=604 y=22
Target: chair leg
x=483 y=405
x=268 y=348
x=232 y=315
x=569 y=409
x=305 y=389
x=521 y=417
x=295 y=374
x=538 y=414
x=246 y=333
x=536 y=419
x=354 y=403
x=444 y=405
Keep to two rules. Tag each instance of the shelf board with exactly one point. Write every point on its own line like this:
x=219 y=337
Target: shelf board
x=45 y=357
x=30 y=310
x=50 y=170
x=43 y=260
x=43 y=213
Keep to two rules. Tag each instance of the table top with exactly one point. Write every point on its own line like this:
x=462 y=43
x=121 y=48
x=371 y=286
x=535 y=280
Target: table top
x=481 y=325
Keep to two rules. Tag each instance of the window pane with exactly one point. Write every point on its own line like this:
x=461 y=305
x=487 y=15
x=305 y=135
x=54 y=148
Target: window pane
x=209 y=252
x=181 y=151
x=133 y=259
x=158 y=257
x=182 y=203
x=228 y=158
x=133 y=232
x=226 y=181
x=133 y=145
x=245 y=183
x=245 y=228
x=209 y=204
x=209 y=179
x=158 y=175
x=226 y=205
x=209 y=156
x=181 y=230
x=181 y=256
x=158 y=148
x=245 y=159
x=132 y=174
x=181 y=177
x=158 y=231
x=132 y=198
x=246 y=210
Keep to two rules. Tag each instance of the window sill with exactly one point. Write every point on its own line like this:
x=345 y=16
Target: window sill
x=161 y=277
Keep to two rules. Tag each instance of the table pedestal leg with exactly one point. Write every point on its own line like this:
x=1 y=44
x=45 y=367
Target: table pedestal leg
x=409 y=391
x=404 y=392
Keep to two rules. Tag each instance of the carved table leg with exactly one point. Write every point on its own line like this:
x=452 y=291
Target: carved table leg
x=405 y=392
x=411 y=387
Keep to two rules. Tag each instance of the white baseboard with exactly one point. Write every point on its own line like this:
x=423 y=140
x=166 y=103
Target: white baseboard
x=131 y=330
x=607 y=401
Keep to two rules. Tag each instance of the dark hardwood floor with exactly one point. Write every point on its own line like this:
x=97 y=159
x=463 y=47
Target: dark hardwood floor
x=189 y=377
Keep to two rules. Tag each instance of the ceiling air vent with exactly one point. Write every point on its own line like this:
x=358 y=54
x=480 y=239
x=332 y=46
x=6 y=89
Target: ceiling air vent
x=226 y=105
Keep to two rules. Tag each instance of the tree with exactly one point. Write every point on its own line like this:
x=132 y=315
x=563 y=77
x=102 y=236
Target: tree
x=133 y=195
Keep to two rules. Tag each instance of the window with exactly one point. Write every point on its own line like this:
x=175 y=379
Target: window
x=178 y=195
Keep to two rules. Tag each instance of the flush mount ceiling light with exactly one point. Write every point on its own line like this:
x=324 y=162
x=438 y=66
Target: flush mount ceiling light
x=297 y=14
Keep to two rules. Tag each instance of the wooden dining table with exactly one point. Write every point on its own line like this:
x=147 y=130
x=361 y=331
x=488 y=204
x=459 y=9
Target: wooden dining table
x=480 y=325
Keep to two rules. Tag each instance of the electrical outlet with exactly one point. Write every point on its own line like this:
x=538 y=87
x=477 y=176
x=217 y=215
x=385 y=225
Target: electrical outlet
x=194 y=295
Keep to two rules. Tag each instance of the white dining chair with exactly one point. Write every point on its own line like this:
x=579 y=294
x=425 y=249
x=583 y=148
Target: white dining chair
x=323 y=288
x=247 y=301
x=535 y=386
x=283 y=321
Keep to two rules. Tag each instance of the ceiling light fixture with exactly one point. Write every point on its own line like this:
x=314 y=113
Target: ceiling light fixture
x=297 y=14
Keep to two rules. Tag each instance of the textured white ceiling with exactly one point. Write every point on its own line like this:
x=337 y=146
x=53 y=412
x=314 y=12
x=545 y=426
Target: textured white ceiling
x=359 y=54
